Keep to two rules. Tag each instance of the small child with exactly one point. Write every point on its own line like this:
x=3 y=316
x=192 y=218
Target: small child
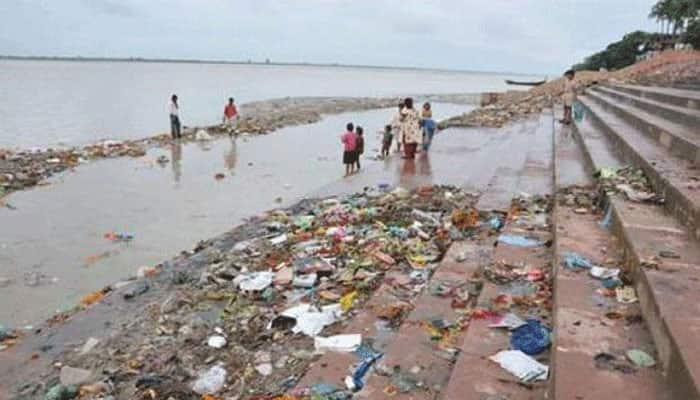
x=386 y=141
x=569 y=95
x=359 y=145
x=349 y=140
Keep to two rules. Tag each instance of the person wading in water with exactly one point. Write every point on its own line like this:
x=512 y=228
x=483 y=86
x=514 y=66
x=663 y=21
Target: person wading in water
x=174 y=118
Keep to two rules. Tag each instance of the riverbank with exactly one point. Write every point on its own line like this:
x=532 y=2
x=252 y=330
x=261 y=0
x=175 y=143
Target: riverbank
x=22 y=169
x=668 y=68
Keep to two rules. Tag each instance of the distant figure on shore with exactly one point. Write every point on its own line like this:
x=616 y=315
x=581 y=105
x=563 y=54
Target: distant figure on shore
x=349 y=140
x=410 y=129
x=428 y=125
x=387 y=137
x=359 y=146
x=569 y=95
x=230 y=114
x=396 y=126
x=174 y=118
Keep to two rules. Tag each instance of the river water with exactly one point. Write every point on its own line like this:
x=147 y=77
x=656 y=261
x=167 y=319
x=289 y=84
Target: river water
x=52 y=244
x=45 y=103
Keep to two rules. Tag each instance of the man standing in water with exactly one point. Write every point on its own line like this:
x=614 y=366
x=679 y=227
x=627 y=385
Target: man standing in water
x=230 y=114
x=174 y=118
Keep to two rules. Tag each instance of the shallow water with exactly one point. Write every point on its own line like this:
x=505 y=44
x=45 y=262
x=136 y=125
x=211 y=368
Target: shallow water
x=49 y=102
x=57 y=230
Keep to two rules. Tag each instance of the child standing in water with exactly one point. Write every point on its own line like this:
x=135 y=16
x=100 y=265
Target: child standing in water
x=359 y=146
x=386 y=141
x=569 y=95
x=349 y=140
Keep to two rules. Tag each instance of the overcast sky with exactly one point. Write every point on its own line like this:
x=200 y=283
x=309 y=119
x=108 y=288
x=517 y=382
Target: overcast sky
x=531 y=36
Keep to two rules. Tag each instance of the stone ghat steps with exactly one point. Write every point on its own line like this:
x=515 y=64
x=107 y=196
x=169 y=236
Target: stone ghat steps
x=582 y=328
x=668 y=288
x=586 y=324
x=673 y=96
x=680 y=140
x=684 y=115
x=676 y=179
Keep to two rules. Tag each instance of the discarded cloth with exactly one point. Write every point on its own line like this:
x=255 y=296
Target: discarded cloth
x=574 y=260
x=517 y=240
x=524 y=367
x=531 y=338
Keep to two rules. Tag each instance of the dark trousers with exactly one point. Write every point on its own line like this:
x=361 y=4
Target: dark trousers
x=175 y=127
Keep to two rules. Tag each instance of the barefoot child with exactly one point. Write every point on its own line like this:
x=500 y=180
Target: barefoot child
x=386 y=141
x=359 y=145
x=349 y=140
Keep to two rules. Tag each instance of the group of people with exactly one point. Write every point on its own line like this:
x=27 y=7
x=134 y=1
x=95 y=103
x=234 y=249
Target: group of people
x=229 y=118
x=412 y=128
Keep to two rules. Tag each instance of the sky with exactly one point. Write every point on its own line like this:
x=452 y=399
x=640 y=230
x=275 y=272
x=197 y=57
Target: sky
x=527 y=36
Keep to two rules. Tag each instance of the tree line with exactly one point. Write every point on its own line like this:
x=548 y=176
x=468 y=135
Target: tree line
x=679 y=22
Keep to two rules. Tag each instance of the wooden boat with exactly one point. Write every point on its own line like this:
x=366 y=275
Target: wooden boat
x=520 y=83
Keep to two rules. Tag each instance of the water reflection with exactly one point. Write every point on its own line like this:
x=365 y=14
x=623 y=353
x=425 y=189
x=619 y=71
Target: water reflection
x=176 y=160
x=231 y=156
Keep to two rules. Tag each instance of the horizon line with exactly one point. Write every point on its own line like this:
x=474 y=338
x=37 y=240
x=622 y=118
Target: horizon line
x=267 y=62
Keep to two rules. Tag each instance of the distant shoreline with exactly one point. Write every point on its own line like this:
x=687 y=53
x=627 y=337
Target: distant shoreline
x=256 y=63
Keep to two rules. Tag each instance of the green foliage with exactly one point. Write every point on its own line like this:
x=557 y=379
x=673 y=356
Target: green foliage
x=672 y=14
x=692 y=34
x=618 y=54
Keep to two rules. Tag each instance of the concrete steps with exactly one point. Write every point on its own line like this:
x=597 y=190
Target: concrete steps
x=688 y=116
x=582 y=328
x=674 y=178
x=674 y=96
x=668 y=288
x=474 y=376
x=680 y=140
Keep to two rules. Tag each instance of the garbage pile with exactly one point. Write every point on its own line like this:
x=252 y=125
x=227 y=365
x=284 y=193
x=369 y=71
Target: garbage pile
x=629 y=182
x=248 y=324
x=515 y=105
x=23 y=169
x=521 y=298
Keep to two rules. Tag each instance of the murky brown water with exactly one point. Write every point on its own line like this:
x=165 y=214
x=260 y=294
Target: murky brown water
x=57 y=231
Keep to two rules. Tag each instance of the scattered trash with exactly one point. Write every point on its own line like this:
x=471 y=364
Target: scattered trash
x=574 y=260
x=202 y=134
x=210 y=381
x=604 y=273
x=216 y=341
x=309 y=320
x=341 y=343
x=626 y=294
x=531 y=338
x=254 y=281
x=61 y=392
x=516 y=240
x=118 y=237
x=510 y=321
x=162 y=160
x=521 y=365
x=355 y=381
x=641 y=358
